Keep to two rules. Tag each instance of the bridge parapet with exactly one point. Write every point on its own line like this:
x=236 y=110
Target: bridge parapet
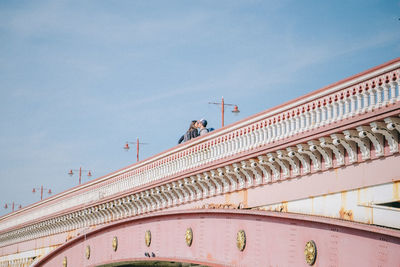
x=237 y=154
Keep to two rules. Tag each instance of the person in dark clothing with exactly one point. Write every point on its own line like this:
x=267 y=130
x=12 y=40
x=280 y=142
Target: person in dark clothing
x=190 y=133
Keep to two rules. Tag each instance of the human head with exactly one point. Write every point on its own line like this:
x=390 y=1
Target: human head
x=193 y=124
x=203 y=123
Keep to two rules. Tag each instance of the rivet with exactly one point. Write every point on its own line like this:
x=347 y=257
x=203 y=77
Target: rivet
x=147 y=238
x=310 y=252
x=87 y=252
x=241 y=240
x=115 y=243
x=189 y=236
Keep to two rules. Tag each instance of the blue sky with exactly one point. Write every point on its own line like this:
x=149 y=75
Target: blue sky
x=79 y=78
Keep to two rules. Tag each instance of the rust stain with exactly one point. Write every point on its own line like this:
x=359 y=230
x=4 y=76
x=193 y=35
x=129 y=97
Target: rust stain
x=343 y=212
x=312 y=205
x=396 y=194
x=344 y=199
x=372 y=216
x=245 y=198
x=283 y=207
x=218 y=206
x=70 y=235
x=346 y=214
x=369 y=212
x=228 y=198
x=210 y=257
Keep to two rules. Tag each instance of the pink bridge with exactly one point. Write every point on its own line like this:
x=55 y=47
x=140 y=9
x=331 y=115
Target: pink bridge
x=314 y=181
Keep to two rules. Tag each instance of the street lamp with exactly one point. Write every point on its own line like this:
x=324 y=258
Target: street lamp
x=41 y=191
x=71 y=172
x=223 y=104
x=126 y=147
x=13 y=204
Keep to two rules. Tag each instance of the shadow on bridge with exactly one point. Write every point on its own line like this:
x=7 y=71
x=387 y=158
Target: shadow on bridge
x=152 y=263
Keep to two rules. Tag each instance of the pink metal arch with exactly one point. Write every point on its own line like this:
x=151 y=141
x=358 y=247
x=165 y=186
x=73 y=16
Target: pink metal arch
x=272 y=239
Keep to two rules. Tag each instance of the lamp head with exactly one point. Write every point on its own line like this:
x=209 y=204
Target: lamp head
x=126 y=146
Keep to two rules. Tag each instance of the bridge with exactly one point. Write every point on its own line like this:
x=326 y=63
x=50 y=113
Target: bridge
x=314 y=181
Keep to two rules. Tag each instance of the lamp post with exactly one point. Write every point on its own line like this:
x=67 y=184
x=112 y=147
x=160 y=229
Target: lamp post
x=223 y=104
x=126 y=147
x=13 y=204
x=41 y=191
x=71 y=172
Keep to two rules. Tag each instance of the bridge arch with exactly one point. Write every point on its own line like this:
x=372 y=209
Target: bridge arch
x=222 y=237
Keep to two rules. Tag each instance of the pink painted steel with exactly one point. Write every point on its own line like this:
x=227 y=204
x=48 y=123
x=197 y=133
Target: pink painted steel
x=272 y=239
x=374 y=171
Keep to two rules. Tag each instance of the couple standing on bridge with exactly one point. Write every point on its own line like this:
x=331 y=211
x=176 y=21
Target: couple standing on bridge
x=196 y=128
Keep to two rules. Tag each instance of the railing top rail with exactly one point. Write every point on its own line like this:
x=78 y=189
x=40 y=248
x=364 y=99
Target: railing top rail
x=211 y=138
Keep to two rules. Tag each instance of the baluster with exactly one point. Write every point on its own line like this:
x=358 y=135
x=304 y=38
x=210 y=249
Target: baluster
x=269 y=131
x=318 y=112
x=386 y=89
x=244 y=138
x=313 y=120
x=223 y=145
x=365 y=94
x=195 y=157
x=257 y=135
x=395 y=84
x=230 y=147
x=302 y=121
x=240 y=140
x=235 y=142
x=308 y=118
x=347 y=103
x=292 y=123
x=211 y=151
x=216 y=149
x=273 y=127
x=200 y=154
x=298 y=122
x=219 y=148
x=252 y=137
x=324 y=113
x=392 y=85
x=341 y=106
x=373 y=96
x=247 y=139
x=358 y=95
x=330 y=110
x=264 y=132
x=335 y=108
x=278 y=129
x=287 y=125
x=379 y=93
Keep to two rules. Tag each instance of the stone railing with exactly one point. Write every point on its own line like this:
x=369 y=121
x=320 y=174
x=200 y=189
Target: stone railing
x=366 y=92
